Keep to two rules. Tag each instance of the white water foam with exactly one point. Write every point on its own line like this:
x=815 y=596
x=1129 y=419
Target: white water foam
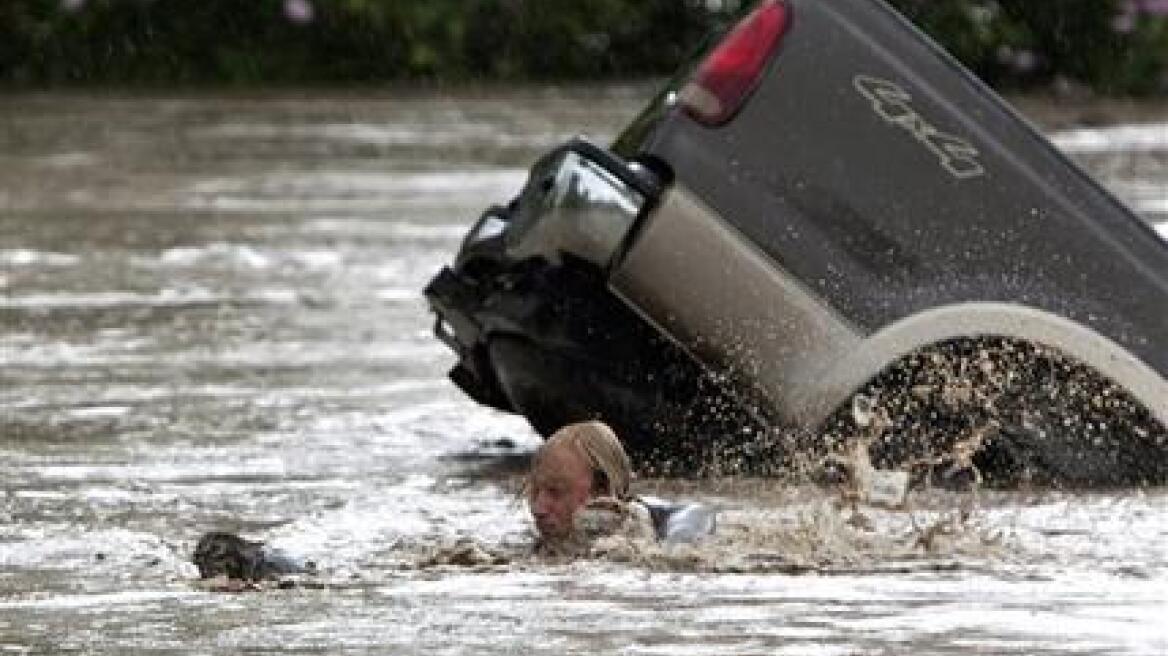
x=1140 y=138
x=333 y=191
x=25 y=257
x=163 y=298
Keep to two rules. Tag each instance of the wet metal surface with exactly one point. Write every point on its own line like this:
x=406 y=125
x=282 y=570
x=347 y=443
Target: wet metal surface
x=210 y=318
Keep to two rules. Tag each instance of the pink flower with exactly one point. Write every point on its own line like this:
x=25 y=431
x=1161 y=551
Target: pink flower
x=1154 y=7
x=300 y=12
x=1131 y=10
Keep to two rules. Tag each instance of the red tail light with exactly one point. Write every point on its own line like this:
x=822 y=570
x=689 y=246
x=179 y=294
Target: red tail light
x=732 y=71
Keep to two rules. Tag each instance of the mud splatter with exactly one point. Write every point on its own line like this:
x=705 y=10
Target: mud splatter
x=1009 y=413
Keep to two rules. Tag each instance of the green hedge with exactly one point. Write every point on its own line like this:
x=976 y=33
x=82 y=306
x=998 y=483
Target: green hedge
x=1116 y=47
x=274 y=41
x=1106 y=44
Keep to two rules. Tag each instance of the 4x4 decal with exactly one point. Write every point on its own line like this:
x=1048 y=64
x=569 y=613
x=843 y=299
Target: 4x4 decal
x=891 y=101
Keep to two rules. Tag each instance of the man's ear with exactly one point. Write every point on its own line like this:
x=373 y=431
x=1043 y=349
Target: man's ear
x=600 y=483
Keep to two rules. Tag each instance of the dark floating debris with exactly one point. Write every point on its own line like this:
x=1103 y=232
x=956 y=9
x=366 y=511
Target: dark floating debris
x=465 y=552
x=227 y=562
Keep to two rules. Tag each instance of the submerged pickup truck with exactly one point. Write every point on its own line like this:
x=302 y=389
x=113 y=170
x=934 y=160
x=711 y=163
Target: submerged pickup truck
x=823 y=207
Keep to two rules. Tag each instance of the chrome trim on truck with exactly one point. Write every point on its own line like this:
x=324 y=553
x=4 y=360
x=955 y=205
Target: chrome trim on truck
x=578 y=200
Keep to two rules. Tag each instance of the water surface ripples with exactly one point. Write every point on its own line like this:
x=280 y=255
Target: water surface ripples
x=210 y=318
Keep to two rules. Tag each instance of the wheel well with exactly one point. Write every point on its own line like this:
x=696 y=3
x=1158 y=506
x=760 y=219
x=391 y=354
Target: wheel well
x=1026 y=410
x=1018 y=323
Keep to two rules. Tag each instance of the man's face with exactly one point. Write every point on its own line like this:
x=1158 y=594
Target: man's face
x=561 y=484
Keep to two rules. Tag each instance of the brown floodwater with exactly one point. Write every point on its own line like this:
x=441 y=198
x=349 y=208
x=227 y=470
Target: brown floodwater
x=210 y=318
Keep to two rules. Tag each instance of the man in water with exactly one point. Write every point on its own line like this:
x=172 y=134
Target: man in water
x=578 y=489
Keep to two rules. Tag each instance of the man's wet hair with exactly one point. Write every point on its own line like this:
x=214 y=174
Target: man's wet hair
x=599 y=445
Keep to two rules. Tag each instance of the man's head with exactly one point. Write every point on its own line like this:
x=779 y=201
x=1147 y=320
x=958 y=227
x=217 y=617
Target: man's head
x=576 y=464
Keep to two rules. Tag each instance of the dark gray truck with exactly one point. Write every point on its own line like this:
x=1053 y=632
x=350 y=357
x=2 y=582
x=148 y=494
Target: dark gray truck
x=820 y=198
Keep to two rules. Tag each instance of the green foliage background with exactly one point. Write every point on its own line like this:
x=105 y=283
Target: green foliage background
x=1114 y=46
x=1012 y=43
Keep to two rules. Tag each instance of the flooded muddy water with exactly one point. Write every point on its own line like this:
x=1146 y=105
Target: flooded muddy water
x=210 y=318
